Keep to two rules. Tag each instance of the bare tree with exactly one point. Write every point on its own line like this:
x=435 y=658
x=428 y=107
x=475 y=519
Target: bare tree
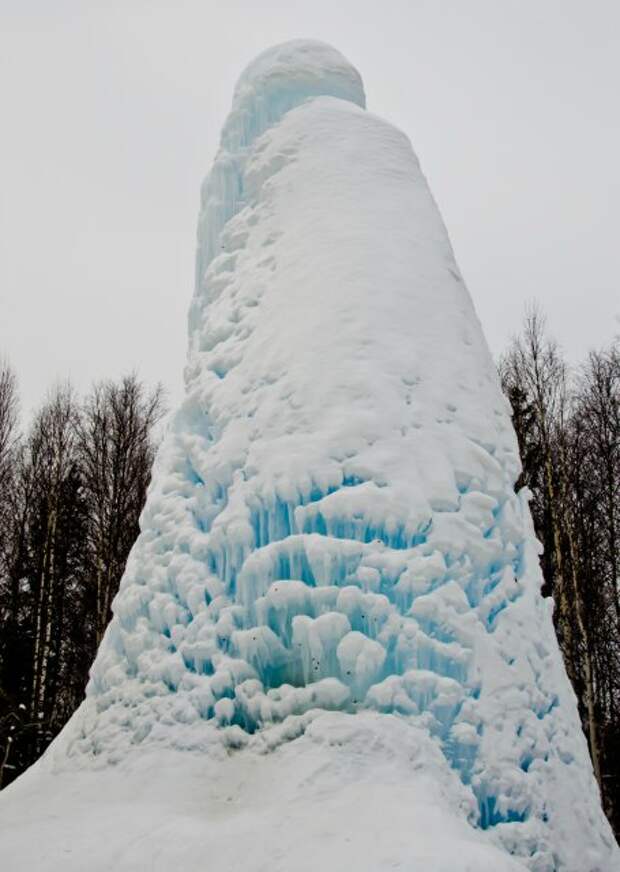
x=116 y=455
x=534 y=366
x=594 y=437
x=9 y=448
x=73 y=491
x=8 y=421
x=52 y=452
x=567 y=427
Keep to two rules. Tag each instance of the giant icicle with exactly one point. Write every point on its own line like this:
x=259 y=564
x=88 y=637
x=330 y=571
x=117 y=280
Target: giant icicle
x=332 y=523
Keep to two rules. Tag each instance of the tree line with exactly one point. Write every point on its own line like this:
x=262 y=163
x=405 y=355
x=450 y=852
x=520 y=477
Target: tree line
x=72 y=488
x=567 y=421
x=71 y=491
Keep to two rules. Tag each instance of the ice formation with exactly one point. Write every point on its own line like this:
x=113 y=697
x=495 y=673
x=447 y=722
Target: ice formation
x=332 y=523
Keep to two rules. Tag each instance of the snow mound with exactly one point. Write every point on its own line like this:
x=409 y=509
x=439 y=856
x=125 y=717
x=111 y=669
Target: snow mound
x=332 y=526
x=363 y=792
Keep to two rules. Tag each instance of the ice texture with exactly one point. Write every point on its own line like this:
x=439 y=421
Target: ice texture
x=331 y=541
x=276 y=81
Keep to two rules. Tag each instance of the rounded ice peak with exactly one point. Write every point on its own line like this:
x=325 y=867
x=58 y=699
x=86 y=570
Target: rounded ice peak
x=276 y=81
x=284 y=76
x=311 y=65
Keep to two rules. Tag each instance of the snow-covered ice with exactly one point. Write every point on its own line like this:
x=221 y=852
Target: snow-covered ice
x=329 y=649
x=361 y=792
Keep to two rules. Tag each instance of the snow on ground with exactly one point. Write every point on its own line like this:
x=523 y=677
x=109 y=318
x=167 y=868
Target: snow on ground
x=364 y=792
x=329 y=648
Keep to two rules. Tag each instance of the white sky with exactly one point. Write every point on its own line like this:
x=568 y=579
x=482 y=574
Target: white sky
x=110 y=117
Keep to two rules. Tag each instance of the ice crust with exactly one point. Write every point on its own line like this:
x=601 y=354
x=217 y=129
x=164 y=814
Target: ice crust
x=332 y=523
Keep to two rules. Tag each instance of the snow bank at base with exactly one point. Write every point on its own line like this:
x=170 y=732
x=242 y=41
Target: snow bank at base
x=364 y=792
x=332 y=525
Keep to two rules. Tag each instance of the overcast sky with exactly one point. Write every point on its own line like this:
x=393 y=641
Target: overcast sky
x=111 y=113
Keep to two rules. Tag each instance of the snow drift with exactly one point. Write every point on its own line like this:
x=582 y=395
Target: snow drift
x=329 y=648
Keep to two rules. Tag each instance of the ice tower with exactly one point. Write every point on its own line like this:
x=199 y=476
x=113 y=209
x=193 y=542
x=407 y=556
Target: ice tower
x=329 y=644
